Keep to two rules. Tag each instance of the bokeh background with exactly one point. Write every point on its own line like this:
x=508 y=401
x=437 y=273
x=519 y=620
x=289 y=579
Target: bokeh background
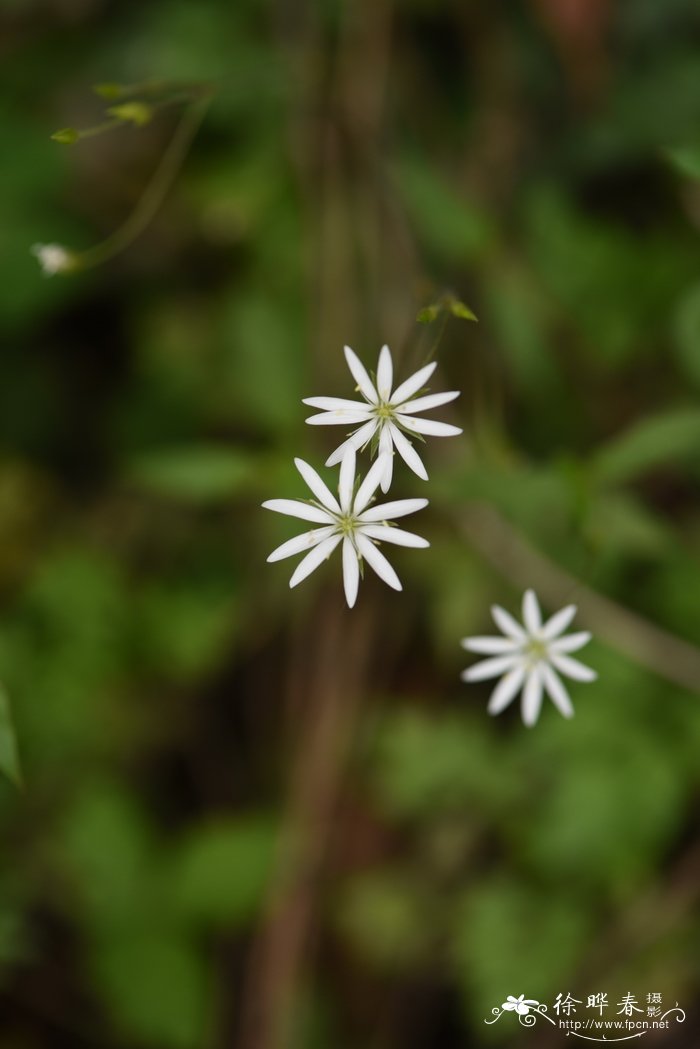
x=250 y=817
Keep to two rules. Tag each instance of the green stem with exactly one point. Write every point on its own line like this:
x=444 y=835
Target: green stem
x=154 y=194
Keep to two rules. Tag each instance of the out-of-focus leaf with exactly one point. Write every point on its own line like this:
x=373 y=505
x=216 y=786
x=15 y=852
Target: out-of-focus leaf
x=66 y=136
x=9 y=755
x=428 y=314
x=138 y=113
x=222 y=870
x=460 y=309
x=686 y=331
x=381 y=914
x=155 y=986
x=686 y=160
x=199 y=473
x=671 y=437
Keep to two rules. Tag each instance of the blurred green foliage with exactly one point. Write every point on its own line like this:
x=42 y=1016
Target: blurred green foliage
x=360 y=166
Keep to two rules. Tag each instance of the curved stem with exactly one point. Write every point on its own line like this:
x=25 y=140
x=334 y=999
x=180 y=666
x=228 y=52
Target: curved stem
x=650 y=646
x=155 y=192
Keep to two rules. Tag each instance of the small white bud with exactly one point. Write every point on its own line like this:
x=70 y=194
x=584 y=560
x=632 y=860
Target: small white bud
x=53 y=258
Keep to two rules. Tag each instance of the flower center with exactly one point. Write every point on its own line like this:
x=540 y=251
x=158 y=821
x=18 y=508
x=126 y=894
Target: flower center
x=347 y=524
x=535 y=650
x=384 y=411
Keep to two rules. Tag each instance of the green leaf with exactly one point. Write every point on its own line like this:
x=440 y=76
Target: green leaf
x=66 y=135
x=108 y=90
x=460 y=309
x=199 y=473
x=660 y=439
x=138 y=113
x=429 y=314
x=685 y=159
x=221 y=873
x=9 y=755
x=155 y=985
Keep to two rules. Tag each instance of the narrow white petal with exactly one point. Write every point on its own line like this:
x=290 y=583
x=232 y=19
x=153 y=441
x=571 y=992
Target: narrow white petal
x=505 y=691
x=314 y=559
x=413 y=384
x=558 y=623
x=490 y=646
x=351 y=572
x=491 y=667
x=300 y=543
x=346 y=479
x=505 y=623
x=356 y=440
x=386 y=457
x=571 y=667
x=428 y=426
x=408 y=453
x=570 y=642
x=317 y=486
x=556 y=690
x=295 y=508
x=332 y=404
x=368 y=486
x=398 y=508
x=359 y=374
x=423 y=404
x=340 y=417
x=532 y=617
x=386 y=534
x=378 y=561
x=385 y=373
x=532 y=696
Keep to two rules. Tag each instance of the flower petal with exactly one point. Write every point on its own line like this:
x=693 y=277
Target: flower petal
x=570 y=642
x=428 y=426
x=333 y=404
x=505 y=691
x=490 y=646
x=313 y=559
x=295 y=508
x=397 y=508
x=413 y=384
x=532 y=696
x=359 y=374
x=386 y=456
x=368 y=486
x=339 y=417
x=532 y=617
x=557 y=693
x=491 y=667
x=571 y=667
x=378 y=561
x=408 y=453
x=424 y=404
x=346 y=479
x=387 y=534
x=351 y=572
x=558 y=623
x=505 y=623
x=385 y=373
x=317 y=486
x=300 y=543
x=356 y=440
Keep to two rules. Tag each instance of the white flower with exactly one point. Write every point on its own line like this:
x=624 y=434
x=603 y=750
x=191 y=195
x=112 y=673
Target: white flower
x=348 y=519
x=53 y=258
x=385 y=412
x=520 y=1005
x=529 y=657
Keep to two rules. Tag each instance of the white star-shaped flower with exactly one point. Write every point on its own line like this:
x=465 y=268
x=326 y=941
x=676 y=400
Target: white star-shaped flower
x=389 y=414
x=348 y=519
x=530 y=657
x=520 y=1005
